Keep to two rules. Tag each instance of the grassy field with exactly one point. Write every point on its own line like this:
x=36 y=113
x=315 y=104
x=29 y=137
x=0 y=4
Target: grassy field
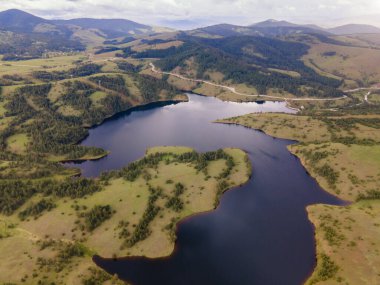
x=18 y=143
x=343 y=154
x=144 y=47
x=27 y=245
x=351 y=63
x=284 y=126
x=307 y=128
x=357 y=167
x=97 y=96
x=348 y=243
x=25 y=67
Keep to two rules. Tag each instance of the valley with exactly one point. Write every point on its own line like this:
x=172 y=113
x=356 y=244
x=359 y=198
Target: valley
x=119 y=142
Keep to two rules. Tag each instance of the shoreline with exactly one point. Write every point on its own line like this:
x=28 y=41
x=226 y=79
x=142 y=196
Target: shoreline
x=115 y=116
x=182 y=221
x=302 y=162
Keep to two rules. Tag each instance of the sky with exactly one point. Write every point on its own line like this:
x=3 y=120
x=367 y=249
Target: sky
x=196 y=13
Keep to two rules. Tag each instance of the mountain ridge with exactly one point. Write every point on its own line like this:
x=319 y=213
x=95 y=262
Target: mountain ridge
x=20 y=21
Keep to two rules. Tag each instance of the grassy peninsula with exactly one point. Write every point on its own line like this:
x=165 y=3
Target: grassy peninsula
x=51 y=235
x=341 y=150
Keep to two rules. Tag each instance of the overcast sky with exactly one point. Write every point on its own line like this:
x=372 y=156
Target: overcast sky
x=191 y=13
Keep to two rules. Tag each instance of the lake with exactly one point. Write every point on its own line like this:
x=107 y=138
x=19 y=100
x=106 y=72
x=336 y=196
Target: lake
x=259 y=234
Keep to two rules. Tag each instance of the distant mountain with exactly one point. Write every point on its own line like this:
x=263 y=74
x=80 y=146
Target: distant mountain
x=274 y=23
x=284 y=26
x=280 y=28
x=222 y=30
x=354 y=29
x=266 y=28
x=112 y=28
x=274 y=27
x=19 y=21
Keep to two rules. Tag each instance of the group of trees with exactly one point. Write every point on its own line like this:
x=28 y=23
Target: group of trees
x=151 y=88
x=66 y=252
x=199 y=160
x=14 y=193
x=37 y=209
x=50 y=131
x=107 y=49
x=119 y=42
x=337 y=124
x=369 y=195
x=115 y=83
x=78 y=71
x=96 y=216
x=127 y=67
x=142 y=230
x=99 y=277
x=29 y=166
x=175 y=201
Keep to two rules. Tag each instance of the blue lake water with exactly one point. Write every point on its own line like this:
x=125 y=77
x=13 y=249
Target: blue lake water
x=259 y=234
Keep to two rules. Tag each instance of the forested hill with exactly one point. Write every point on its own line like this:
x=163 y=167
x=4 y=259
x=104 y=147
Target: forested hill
x=262 y=62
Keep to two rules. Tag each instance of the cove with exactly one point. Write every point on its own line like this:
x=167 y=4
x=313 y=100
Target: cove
x=259 y=234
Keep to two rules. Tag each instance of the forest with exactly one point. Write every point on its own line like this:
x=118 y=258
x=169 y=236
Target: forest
x=247 y=59
x=14 y=193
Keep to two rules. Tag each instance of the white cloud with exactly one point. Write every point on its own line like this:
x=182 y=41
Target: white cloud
x=203 y=11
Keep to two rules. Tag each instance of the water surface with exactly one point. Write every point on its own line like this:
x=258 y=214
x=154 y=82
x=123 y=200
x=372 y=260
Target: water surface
x=259 y=234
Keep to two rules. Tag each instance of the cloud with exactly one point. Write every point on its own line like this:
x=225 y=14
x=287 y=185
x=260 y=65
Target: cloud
x=202 y=12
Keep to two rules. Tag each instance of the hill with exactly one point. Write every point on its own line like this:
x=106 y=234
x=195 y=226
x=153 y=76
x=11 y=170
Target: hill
x=25 y=36
x=281 y=28
x=17 y=20
x=354 y=29
x=266 y=28
x=274 y=23
x=112 y=28
x=266 y=64
x=22 y=22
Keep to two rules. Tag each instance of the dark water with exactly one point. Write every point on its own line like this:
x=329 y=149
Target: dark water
x=259 y=234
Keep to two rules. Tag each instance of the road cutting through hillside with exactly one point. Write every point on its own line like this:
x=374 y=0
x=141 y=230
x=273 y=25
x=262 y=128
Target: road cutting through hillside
x=233 y=90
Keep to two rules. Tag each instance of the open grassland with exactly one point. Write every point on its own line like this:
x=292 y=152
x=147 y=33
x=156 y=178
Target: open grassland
x=309 y=129
x=26 y=66
x=348 y=243
x=166 y=45
x=134 y=213
x=352 y=63
x=345 y=171
x=362 y=40
x=342 y=153
x=17 y=143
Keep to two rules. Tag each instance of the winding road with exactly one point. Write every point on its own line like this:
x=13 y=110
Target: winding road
x=370 y=89
x=233 y=90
